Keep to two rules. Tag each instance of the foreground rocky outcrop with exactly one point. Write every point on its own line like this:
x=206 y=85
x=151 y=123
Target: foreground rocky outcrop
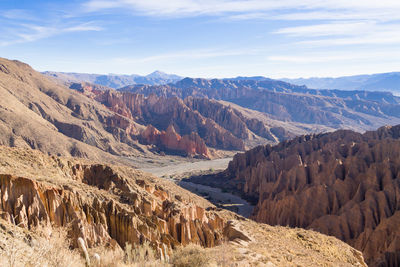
x=103 y=205
x=111 y=206
x=343 y=184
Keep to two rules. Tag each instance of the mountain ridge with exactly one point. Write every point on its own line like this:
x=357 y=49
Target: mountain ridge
x=115 y=80
x=389 y=81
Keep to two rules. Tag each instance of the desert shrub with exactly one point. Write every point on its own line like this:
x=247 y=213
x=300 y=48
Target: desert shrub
x=189 y=256
x=42 y=246
x=143 y=254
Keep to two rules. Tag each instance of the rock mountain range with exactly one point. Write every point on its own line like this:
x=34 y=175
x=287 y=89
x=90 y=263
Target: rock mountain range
x=358 y=110
x=388 y=82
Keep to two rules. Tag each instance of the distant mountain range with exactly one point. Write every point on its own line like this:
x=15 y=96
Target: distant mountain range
x=115 y=80
x=374 y=82
x=389 y=82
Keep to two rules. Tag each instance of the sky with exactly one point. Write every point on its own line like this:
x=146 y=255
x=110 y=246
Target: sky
x=204 y=38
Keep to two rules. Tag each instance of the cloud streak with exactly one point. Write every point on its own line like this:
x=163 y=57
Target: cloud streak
x=221 y=7
x=24 y=33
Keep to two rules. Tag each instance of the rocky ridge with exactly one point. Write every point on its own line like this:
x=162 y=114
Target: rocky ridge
x=114 y=80
x=39 y=113
x=221 y=125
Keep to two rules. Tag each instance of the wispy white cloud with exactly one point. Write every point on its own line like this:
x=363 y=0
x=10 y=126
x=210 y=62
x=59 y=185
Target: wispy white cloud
x=254 y=7
x=328 y=29
x=345 y=33
x=382 y=14
x=348 y=21
x=24 y=33
x=20 y=14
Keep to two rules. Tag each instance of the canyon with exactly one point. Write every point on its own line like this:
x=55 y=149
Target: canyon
x=69 y=152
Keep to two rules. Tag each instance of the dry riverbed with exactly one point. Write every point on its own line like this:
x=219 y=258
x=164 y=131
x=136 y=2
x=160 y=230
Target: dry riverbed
x=216 y=196
x=186 y=169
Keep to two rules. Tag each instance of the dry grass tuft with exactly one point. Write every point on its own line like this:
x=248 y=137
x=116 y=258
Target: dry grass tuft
x=191 y=255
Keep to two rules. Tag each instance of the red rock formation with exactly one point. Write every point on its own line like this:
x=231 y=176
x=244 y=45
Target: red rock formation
x=343 y=184
x=191 y=145
x=162 y=112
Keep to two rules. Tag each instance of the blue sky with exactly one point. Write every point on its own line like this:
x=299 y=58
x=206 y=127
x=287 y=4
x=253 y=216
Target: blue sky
x=204 y=38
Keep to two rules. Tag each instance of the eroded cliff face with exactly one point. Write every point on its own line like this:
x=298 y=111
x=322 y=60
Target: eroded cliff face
x=106 y=207
x=343 y=184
